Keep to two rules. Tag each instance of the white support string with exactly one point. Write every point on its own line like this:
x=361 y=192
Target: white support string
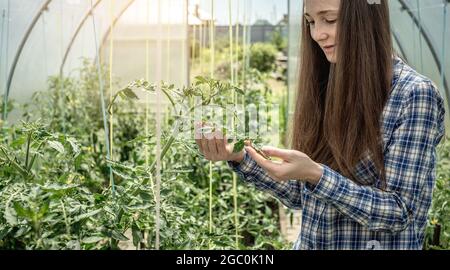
x=2 y=38
x=235 y=197
x=60 y=100
x=44 y=37
x=111 y=59
x=158 y=129
x=419 y=16
x=444 y=45
x=102 y=101
x=5 y=97
x=212 y=49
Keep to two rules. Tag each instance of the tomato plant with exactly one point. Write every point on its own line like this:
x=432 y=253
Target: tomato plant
x=54 y=187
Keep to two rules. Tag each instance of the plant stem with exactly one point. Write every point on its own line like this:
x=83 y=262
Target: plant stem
x=23 y=172
x=34 y=158
x=436 y=235
x=65 y=218
x=163 y=153
x=28 y=149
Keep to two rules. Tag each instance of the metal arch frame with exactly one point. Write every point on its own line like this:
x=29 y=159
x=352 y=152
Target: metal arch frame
x=44 y=7
x=111 y=26
x=116 y=19
x=188 y=38
x=24 y=40
x=432 y=48
x=397 y=40
x=80 y=26
x=77 y=31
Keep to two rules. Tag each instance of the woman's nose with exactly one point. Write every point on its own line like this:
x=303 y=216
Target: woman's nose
x=320 y=33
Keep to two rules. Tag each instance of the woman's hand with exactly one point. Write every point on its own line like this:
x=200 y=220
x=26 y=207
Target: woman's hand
x=215 y=147
x=295 y=165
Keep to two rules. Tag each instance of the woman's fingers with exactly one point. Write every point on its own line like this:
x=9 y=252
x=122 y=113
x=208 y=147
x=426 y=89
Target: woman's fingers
x=213 y=145
x=198 y=140
x=221 y=145
x=205 y=147
x=201 y=140
x=198 y=137
x=276 y=152
x=199 y=143
x=268 y=165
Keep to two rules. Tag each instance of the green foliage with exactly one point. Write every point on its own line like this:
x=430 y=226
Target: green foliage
x=263 y=56
x=239 y=146
x=210 y=91
x=9 y=107
x=55 y=191
x=279 y=41
x=438 y=229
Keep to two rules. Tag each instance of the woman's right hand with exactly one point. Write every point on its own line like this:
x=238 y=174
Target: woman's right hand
x=215 y=147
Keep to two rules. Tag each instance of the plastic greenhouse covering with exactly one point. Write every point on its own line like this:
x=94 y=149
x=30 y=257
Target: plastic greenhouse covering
x=420 y=33
x=42 y=38
x=45 y=38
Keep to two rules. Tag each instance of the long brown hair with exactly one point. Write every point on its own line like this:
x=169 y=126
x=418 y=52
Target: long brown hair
x=339 y=106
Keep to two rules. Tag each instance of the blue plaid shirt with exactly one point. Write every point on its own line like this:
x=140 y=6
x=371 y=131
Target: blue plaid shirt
x=337 y=213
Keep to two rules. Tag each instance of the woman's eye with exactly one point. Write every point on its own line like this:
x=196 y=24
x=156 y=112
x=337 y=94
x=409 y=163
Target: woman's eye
x=330 y=21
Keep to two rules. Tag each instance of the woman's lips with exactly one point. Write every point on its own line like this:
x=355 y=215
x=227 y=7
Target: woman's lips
x=328 y=49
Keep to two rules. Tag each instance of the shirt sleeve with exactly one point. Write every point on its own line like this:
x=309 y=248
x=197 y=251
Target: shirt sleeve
x=409 y=160
x=289 y=193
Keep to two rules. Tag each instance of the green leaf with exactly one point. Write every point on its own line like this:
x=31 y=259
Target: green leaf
x=22 y=211
x=99 y=197
x=118 y=236
x=137 y=235
x=92 y=239
x=121 y=175
x=239 y=91
x=200 y=80
x=19 y=142
x=238 y=146
x=4 y=232
x=145 y=196
x=146 y=85
x=44 y=209
x=23 y=230
x=10 y=215
x=87 y=215
x=57 y=146
x=128 y=93
x=58 y=187
x=75 y=148
x=139 y=206
x=77 y=162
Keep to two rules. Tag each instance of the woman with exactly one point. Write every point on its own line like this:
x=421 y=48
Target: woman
x=365 y=132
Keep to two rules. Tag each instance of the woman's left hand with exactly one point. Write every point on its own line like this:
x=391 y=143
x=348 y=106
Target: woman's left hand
x=295 y=165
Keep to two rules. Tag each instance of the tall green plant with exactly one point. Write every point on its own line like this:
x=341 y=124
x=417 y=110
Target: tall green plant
x=438 y=229
x=54 y=191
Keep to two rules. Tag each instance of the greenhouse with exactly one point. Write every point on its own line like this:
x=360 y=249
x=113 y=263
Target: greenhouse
x=99 y=105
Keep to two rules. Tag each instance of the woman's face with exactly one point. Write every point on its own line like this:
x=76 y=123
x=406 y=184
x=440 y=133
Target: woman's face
x=322 y=16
